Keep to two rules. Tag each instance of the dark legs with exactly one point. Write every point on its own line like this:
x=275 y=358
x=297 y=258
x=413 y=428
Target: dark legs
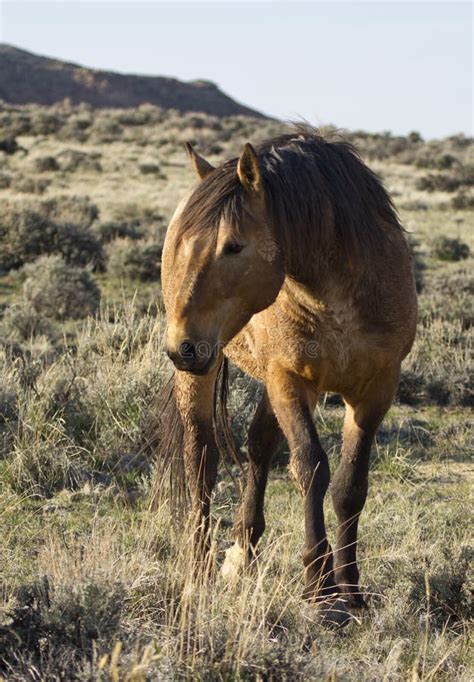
x=350 y=482
x=264 y=438
x=293 y=403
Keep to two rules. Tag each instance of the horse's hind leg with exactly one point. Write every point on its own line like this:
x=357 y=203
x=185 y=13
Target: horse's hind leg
x=350 y=481
x=195 y=402
x=264 y=438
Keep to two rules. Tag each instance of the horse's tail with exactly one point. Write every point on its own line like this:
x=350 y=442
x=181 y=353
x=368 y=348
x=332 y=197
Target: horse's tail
x=164 y=434
x=168 y=441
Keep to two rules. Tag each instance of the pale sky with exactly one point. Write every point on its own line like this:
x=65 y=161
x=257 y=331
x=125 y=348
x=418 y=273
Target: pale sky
x=377 y=65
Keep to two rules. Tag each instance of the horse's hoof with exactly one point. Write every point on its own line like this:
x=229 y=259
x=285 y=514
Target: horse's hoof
x=235 y=560
x=356 y=604
x=334 y=613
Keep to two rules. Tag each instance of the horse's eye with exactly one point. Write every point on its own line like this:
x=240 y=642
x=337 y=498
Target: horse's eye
x=232 y=247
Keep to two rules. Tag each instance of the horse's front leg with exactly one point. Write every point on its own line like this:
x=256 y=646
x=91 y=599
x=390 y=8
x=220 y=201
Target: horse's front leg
x=195 y=402
x=263 y=440
x=293 y=400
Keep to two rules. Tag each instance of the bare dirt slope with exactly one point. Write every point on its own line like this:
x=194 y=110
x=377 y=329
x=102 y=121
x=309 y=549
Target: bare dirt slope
x=30 y=78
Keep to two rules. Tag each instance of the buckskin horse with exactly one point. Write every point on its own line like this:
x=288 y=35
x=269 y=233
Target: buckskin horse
x=291 y=262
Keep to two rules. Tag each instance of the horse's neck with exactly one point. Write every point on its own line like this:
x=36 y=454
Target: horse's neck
x=321 y=288
x=314 y=279
x=300 y=295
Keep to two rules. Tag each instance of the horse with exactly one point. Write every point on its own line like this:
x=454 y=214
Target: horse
x=289 y=261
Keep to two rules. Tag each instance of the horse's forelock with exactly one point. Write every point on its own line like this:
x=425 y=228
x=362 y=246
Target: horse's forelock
x=218 y=197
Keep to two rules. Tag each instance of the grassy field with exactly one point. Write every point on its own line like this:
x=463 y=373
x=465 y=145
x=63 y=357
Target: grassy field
x=95 y=582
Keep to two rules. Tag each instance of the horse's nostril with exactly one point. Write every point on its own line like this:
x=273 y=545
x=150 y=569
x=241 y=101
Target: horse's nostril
x=187 y=350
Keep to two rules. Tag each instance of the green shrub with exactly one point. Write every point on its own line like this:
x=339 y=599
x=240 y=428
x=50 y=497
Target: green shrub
x=215 y=149
x=14 y=123
x=107 y=232
x=138 y=212
x=26 y=234
x=28 y=185
x=46 y=452
x=463 y=202
x=419 y=265
x=449 y=295
x=60 y=291
x=59 y=627
x=5 y=180
x=21 y=236
x=460 y=141
x=76 y=210
x=105 y=129
x=45 y=164
x=80 y=247
x=463 y=177
x=433 y=158
x=411 y=389
x=447 y=161
x=441 y=593
x=8 y=405
x=414 y=205
x=72 y=160
x=43 y=466
x=135 y=260
x=134 y=117
x=437 y=370
x=9 y=145
x=67 y=402
x=74 y=129
x=21 y=321
x=149 y=168
x=450 y=249
x=44 y=122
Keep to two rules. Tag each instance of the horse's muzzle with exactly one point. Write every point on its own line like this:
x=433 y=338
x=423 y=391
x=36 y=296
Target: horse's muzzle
x=195 y=358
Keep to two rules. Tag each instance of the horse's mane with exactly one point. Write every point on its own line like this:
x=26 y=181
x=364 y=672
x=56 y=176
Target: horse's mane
x=323 y=200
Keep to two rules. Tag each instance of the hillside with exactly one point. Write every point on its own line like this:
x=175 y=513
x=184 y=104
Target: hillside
x=30 y=78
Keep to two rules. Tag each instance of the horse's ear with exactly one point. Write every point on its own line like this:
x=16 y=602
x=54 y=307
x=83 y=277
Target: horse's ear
x=200 y=165
x=248 y=170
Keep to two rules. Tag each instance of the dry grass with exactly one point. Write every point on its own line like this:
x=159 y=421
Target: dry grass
x=171 y=623
x=95 y=585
